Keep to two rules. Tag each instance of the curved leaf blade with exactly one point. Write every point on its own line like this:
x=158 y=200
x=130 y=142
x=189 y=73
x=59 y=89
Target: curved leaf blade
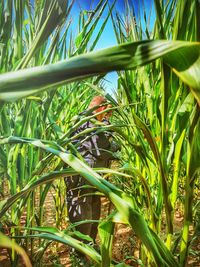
x=8 y=243
x=15 y=85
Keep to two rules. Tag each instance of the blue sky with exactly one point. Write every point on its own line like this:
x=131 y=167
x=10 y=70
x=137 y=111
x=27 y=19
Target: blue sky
x=89 y=4
x=108 y=37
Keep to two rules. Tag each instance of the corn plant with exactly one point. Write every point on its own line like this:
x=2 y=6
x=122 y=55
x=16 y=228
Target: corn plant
x=31 y=36
x=163 y=110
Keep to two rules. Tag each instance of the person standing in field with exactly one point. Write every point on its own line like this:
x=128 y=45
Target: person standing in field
x=97 y=150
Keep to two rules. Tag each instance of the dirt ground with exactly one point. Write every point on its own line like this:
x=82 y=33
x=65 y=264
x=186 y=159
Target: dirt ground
x=125 y=243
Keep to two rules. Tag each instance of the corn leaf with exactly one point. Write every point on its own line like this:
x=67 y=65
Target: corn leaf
x=177 y=54
x=54 y=234
x=34 y=183
x=105 y=231
x=122 y=201
x=11 y=244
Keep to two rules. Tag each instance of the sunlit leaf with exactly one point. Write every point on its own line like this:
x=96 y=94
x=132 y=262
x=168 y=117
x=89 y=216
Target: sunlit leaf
x=11 y=244
x=177 y=54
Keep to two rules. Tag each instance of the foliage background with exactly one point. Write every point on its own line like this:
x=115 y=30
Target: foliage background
x=156 y=121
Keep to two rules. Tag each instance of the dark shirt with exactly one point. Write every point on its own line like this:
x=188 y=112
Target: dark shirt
x=95 y=147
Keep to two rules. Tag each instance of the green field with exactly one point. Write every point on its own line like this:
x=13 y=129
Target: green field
x=49 y=74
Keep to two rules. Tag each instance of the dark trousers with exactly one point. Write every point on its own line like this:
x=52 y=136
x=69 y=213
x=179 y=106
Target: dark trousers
x=82 y=205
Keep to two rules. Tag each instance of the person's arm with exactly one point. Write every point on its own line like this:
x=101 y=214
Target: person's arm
x=107 y=146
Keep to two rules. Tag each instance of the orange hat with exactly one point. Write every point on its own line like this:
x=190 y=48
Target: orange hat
x=96 y=101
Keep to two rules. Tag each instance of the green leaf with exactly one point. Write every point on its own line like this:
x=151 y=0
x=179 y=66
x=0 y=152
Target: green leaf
x=194 y=161
x=186 y=64
x=11 y=244
x=67 y=240
x=122 y=201
x=105 y=231
x=34 y=183
x=52 y=15
x=177 y=54
x=7 y=203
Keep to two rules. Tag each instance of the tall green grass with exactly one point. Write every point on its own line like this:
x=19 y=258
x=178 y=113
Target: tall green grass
x=168 y=114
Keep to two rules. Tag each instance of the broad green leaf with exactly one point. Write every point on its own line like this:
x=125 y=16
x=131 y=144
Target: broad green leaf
x=186 y=64
x=177 y=54
x=105 y=231
x=34 y=183
x=67 y=240
x=81 y=236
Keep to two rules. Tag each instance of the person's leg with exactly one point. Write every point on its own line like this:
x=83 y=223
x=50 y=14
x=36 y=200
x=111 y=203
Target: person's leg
x=79 y=206
x=96 y=211
x=79 y=210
